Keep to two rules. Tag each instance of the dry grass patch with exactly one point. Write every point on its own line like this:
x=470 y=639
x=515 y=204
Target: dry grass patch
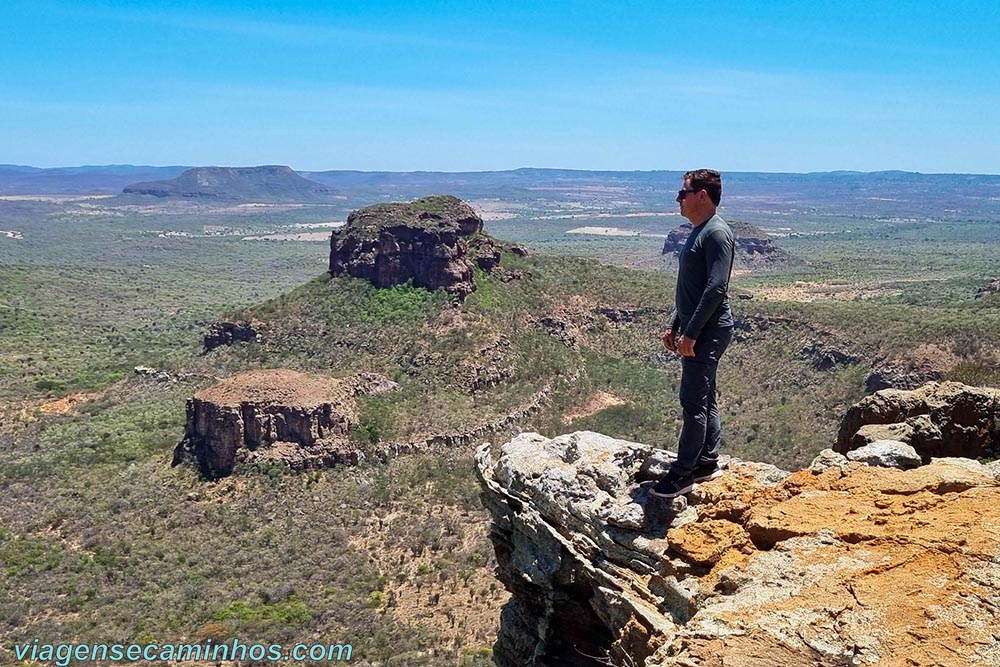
x=446 y=586
x=599 y=401
x=67 y=404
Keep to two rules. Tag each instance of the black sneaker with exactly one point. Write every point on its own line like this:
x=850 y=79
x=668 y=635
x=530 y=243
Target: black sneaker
x=706 y=471
x=671 y=487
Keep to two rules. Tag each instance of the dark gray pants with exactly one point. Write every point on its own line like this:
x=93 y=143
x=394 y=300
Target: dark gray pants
x=701 y=434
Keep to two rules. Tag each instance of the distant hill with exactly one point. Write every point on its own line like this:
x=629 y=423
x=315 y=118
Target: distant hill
x=106 y=179
x=753 y=197
x=525 y=176
x=269 y=182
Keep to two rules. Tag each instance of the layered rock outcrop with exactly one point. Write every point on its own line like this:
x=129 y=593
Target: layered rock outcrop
x=299 y=419
x=850 y=565
x=888 y=376
x=825 y=356
x=225 y=332
x=992 y=287
x=306 y=421
x=938 y=419
x=753 y=245
x=435 y=242
x=927 y=362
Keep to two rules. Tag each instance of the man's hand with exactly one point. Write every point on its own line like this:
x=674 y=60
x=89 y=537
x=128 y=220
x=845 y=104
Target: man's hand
x=685 y=346
x=669 y=340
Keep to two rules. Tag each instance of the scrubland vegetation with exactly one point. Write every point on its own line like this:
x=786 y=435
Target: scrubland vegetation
x=100 y=540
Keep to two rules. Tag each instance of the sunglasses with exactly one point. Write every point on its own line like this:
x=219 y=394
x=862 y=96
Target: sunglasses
x=681 y=194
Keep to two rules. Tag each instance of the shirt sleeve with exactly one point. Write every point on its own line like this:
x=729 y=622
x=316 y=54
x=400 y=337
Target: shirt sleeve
x=718 y=248
x=674 y=320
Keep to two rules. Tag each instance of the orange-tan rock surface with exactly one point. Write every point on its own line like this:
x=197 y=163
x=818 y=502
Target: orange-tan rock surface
x=851 y=565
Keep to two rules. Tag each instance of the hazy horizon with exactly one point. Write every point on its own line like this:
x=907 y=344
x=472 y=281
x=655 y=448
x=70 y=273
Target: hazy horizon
x=459 y=87
x=486 y=171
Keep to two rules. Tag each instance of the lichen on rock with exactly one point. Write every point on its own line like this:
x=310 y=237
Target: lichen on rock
x=846 y=564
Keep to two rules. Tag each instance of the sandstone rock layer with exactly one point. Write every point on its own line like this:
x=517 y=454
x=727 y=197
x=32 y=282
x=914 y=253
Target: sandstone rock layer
x=426 y=241
x=938 y=419
x=280 y=414
x=853 y=565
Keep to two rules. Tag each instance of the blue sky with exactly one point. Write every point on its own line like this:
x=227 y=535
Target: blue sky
x=451 y=86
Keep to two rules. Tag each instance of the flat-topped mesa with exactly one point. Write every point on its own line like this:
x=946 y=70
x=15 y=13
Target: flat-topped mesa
x=299 y=419
x=268 y=183
x=753 y=245
x=435 y=242
x=843 y=563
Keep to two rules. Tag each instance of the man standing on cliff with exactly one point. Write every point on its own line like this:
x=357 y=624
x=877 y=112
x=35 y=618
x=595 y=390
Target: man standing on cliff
x=699 y=330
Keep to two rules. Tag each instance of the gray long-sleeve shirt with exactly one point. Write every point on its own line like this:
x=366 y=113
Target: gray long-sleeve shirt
x=705 y=264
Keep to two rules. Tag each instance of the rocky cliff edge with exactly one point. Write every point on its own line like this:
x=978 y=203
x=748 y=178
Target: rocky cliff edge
x=839 y=564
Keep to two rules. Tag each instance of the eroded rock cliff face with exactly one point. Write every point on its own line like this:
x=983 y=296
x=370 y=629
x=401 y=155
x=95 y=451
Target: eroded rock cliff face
x=844 y=564
x=299 y=419
x=304 y=421
x=225 y=332
x=889 y=376
x=937 y=419
x=435 y=242
x=992 y=287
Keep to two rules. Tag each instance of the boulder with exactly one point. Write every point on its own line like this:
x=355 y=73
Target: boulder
x=992 y=287
x=485 y=252
x=618 y=315
x=519 y=250
x=938 y=420
x=887 y=454
x=827 y=459
x=825 y=357
x=227 y=332
x=870 y=433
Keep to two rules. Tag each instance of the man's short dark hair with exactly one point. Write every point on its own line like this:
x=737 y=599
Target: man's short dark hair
x=708 y=180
